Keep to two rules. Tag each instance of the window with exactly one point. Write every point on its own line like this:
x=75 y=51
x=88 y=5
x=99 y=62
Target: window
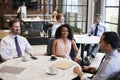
x=72 y=6
x=112 y=11
x=74 y=11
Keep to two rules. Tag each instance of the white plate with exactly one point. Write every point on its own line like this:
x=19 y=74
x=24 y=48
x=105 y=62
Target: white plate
x=53 y=73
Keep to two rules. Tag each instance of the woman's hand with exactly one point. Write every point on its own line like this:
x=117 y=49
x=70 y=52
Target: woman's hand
x=77 y=59
x=78 y=71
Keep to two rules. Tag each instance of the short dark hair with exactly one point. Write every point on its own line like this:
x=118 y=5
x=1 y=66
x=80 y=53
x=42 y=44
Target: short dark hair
x=12 y=22
x=58 y=31
x=99 y=16
x=112 y=38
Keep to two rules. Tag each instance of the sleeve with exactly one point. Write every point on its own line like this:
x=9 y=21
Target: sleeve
x=4 y=50
x=91 y=30
x=104 y=71
x=28 y=47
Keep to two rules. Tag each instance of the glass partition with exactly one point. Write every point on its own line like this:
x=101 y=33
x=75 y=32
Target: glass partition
x=39 y=14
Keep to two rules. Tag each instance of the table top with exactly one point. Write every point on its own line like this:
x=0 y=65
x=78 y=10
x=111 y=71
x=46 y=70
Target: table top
x=50 y=15
x=86 y=39
x=37 y=19
x=36 y=69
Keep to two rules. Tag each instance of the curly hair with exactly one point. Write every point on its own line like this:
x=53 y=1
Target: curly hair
x=59 y=29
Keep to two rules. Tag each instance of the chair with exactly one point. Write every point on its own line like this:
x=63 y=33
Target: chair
x=37 y=27
x=49 y=46
x=49 y=32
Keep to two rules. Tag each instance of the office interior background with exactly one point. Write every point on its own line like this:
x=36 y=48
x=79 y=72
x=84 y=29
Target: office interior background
x=78 y=13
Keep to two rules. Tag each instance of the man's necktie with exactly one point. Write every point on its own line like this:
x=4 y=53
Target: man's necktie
x=17 y=47
x=96 y=29
x=98 y=67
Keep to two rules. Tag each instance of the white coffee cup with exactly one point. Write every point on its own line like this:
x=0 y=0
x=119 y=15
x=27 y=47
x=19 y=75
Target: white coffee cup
x=52 y=69
x=24 y=58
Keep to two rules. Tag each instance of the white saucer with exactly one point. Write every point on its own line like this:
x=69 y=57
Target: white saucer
x=51 y=73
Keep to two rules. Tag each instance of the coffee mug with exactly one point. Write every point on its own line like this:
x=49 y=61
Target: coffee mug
x=52 y=69
x=24 y=58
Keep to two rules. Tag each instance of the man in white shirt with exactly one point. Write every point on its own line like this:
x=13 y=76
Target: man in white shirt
x=60 y=21
x=8 y=48
x=109 y=43
x=97 y=29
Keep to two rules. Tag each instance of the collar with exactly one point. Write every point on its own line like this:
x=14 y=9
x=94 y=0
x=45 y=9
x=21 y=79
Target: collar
x=13 y=36
x=98 y=23
x=111 y=53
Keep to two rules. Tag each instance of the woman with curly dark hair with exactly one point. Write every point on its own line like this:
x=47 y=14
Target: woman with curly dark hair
x=63 y=43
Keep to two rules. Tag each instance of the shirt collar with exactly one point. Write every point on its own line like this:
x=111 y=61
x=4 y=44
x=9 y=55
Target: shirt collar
x=13 y=36
x=111 y=53
x=98 y=23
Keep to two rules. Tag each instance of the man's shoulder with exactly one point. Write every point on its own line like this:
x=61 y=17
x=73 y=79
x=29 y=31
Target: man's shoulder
x=102 y=24
x=21 y=37
x=6 y=37
x=105 y=26
x=57 y=24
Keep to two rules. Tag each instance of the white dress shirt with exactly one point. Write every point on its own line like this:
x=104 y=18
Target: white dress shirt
x=101 y=29
x=8 y=47
x=110 y=65
x=54 y=27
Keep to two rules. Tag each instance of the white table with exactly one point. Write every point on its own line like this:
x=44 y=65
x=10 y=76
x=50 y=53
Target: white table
x=36 y=70
x=85 y=39
x=37 y=19
x=31 y=15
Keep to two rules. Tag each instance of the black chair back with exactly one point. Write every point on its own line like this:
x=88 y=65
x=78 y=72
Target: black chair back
x=49 y=46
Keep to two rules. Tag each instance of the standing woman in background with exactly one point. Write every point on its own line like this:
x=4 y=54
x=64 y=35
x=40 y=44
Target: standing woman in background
x=22 y=11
